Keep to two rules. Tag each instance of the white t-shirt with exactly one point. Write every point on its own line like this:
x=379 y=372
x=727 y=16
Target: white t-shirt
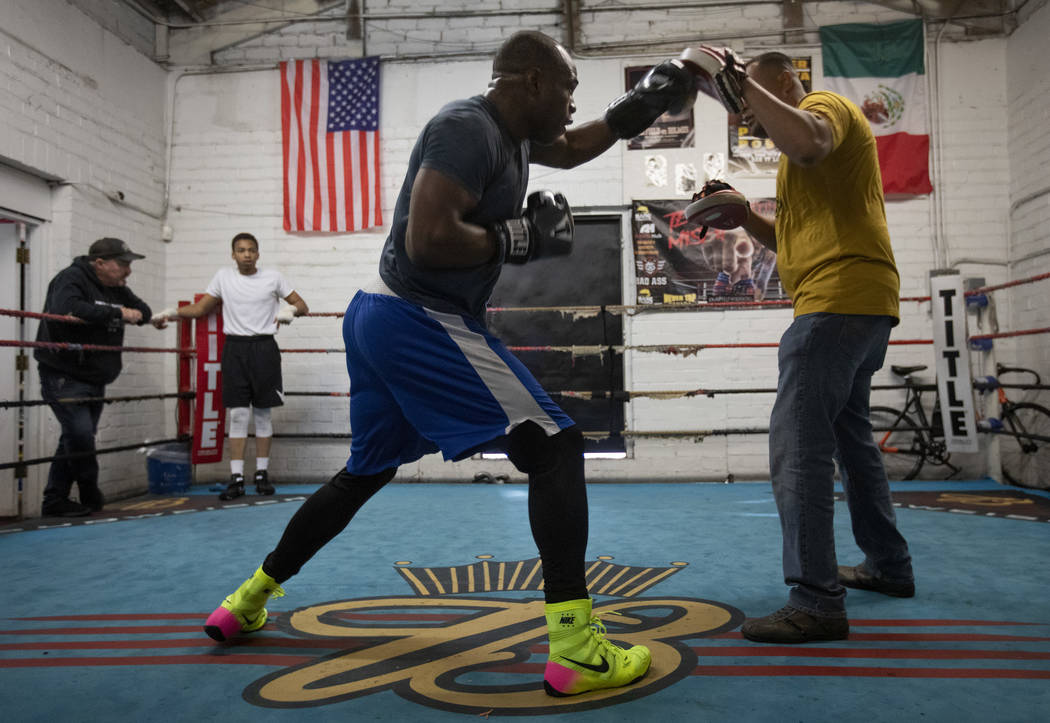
x=249 y=303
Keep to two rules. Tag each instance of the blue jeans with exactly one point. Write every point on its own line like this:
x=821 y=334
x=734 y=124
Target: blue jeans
x=822 y=412
x=79 y=423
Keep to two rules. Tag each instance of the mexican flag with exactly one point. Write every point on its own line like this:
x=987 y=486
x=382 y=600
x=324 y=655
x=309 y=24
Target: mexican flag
x=881 y=69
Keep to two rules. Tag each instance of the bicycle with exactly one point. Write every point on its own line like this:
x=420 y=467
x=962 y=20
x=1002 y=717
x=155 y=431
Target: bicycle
x=1028 y=461
x=909 y=439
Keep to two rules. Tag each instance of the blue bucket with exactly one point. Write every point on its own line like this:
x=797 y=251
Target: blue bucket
x=168 y=469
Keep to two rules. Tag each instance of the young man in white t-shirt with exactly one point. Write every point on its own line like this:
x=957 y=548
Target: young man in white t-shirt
x=251 y=361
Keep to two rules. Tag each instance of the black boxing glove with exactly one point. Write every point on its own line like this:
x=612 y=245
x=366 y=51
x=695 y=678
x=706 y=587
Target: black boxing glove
x=669 y=86
x=545 y=229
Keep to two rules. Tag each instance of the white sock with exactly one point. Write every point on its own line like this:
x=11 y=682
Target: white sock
x=262 y=463
x=236 y=466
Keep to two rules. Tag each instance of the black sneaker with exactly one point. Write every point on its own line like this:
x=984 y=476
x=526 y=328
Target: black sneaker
x=234 y=489
x=92 y=498
x=857 y=578
x=65 y=508
x=262 y=483
x=790 y=625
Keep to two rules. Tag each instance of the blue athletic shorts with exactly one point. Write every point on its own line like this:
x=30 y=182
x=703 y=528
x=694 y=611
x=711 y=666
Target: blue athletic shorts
x=423 y=381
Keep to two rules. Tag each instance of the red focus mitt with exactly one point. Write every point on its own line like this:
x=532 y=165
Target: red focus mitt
x=719 y=73
x=717 y=205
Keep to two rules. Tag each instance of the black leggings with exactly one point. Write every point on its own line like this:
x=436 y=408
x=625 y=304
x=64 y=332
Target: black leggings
x=557 y=513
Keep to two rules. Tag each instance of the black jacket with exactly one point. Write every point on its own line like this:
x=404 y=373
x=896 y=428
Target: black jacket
x=77 y=291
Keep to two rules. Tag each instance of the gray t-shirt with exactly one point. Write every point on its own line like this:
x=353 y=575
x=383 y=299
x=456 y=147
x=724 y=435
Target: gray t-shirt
x=465 y=141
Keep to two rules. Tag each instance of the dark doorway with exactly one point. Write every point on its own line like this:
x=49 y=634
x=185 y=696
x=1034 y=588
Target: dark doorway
x=591 y=276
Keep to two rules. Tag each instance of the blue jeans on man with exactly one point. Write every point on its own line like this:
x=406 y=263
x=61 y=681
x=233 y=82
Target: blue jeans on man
x=79 y=422
x=821 y=413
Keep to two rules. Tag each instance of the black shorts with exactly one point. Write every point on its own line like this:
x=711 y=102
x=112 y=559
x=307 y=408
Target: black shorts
x=251 y=372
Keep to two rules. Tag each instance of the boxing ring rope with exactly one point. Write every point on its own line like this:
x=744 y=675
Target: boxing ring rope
x=675 y=349
x=89 y=400
x=60 y=345
x=626 y=396
x=76 y=455
x=594 y=309
x=40 y=315
x=186 y=351
x=184 y=395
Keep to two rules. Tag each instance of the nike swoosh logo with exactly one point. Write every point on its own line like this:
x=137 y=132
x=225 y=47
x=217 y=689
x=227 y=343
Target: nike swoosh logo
x=603 y=668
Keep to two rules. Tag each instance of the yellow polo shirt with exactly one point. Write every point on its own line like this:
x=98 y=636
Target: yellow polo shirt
x=833 y=247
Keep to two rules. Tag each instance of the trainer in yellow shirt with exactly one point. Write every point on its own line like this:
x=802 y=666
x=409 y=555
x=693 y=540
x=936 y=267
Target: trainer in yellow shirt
x=835 y=260
x=833 y=247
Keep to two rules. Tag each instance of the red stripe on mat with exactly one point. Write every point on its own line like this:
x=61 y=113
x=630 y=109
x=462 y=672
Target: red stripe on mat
x=440 y=617
x=130 y=616
x=810 y=652
x=867 y=672
x=822 y=671
x=918 y=637
x=201 y=642
x=125 y=630
x=931 y=623
x=275 y=660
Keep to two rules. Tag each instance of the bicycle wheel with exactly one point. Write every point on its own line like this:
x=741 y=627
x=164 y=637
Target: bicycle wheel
x=1026 y=462
x=903 y=446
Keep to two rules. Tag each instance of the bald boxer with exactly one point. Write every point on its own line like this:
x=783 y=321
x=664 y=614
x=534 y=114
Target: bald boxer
x=835 y=260
x=427 y=376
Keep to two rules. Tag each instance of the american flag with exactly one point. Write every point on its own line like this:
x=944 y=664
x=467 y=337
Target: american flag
x=330 y=133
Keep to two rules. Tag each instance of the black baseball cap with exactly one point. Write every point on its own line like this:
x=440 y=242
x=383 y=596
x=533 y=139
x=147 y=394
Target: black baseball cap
x=112 y=248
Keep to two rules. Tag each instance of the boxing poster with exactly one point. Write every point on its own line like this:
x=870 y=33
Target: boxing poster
x=209 y=416
x=671 y=130
x=753 y=155
x=674 y=265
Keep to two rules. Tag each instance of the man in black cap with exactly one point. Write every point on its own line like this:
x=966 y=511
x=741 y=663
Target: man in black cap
x=93 y=288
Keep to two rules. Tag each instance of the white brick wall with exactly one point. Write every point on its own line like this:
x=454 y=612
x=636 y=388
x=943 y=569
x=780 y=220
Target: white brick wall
x=82 y=107
x=104 y=124
x=1028 y=102
x=411 y=92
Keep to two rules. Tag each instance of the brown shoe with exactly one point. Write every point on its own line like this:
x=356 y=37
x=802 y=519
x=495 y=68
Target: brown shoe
x=857 y=578
x=790 y=625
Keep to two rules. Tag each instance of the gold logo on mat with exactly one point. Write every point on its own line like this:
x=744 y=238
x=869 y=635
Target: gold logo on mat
x=982 y=500
x=480 y=655
x=603 y=577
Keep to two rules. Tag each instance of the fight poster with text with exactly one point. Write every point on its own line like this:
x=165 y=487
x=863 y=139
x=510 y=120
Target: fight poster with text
x=674 y=265
x=209 y=416
x=752 y=154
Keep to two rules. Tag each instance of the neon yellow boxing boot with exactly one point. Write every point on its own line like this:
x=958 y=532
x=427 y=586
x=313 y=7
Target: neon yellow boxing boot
x=581 y=659
x=243 y=611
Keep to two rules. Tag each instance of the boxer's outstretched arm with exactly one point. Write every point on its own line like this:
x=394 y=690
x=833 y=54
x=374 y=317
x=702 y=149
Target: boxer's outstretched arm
x=198 y=309
x=437 y=236
x=576 y=146
x=669 y=86
x=203 y=307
